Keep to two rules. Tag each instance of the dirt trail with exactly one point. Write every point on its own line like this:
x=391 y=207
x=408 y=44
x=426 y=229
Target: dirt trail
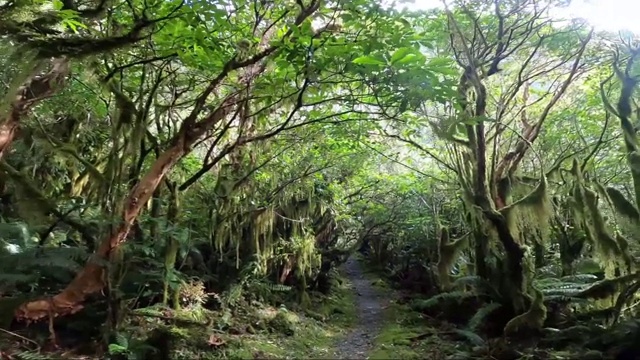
x=370 y=303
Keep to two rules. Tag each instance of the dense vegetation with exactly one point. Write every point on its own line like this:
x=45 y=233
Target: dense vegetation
x=183 y=179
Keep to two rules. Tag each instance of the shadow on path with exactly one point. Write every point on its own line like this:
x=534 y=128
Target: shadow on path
x=370 y=303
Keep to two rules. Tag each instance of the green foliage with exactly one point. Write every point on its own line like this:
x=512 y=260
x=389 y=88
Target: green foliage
x=449 y=297
x=31 y=355
x=305 y=129
x=128 y=348
x=481 y=315
x=38 y=269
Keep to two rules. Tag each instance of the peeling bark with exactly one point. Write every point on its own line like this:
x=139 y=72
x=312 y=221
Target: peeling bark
x=37 y=88
x=7 y=133
x=92 y=278
x=287 y=268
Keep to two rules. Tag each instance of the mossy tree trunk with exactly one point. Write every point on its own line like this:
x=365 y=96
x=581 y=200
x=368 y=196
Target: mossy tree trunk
x=172 y=247
x=484 y=175
x=624 y=111
x=36 y=88
x=91 y=279
x=156 y=208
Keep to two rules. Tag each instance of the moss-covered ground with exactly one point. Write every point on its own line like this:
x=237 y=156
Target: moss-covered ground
x=406 y=333
x=287 y=331
x=307 y=333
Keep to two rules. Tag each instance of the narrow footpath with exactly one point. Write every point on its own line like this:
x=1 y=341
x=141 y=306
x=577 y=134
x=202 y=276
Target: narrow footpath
x=370 y=304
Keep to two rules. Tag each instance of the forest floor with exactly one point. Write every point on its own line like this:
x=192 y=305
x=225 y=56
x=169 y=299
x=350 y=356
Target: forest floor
x=370 y=302
x=348 y=324
x=362 y=318
x=384 y=328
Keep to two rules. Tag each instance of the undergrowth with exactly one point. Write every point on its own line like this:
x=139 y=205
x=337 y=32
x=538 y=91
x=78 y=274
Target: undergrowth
x=408 y=335
x=308 y=333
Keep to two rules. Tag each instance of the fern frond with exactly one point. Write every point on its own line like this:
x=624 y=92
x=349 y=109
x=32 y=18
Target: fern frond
x=31 y=355
x=279 y=288
x=122 y=340
x=560 y=298
x=470 y=280
x=480 y=316
x=453 y=296
x=473 y=338
x=583 y=278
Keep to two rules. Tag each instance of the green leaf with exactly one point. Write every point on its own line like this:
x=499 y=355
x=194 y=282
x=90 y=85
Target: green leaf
x=117 y=349
x=438 y=62
x=411 y=58
x=400 y=54
x=443 y=66
x=367 y=60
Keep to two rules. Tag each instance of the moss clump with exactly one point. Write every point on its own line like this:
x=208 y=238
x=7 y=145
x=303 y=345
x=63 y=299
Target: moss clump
x=338 y=309
x=379 y=283
x=315 y=331
x=407 y=335
x=284 y=322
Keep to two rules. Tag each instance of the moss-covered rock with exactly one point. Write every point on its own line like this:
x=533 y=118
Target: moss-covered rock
x=284 y=322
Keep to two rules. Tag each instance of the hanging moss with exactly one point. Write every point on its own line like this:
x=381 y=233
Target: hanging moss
x=634 y=160
x=623 y=244
x=608 y=244
x=608 y=251
x=623 y=206
x=448 y=252
x=528 y=218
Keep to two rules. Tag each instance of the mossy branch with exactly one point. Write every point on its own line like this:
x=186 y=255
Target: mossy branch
x=45 y=204
x=448 y=251
x=49 y=46
x=536 y=197
x=530 y=321
x=623 y=206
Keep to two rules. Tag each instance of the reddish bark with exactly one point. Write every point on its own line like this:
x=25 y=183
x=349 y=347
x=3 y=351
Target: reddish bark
x=38 y=87
x=7 y=133
x=91 y=279
x=287 y=269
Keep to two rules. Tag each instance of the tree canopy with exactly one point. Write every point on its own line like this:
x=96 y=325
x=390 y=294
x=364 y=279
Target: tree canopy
x=159 y=152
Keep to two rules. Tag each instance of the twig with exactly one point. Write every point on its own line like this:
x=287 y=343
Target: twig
x=21 y=337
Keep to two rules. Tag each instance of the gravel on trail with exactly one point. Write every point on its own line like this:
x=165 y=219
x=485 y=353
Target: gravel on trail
x=370 y=304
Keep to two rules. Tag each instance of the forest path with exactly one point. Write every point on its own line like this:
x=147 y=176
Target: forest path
x=370 y=305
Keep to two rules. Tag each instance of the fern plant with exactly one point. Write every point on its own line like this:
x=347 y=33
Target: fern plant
x=481 y=315
x=33 y=268
x=128 y=348
x=451 y=296
x=568 y=286
x=32 y=355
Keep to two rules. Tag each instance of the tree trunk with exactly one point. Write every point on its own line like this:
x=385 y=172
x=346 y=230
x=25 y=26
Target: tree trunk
x=515 y=268
x=8 y=132
x=481 y=252
x=35 y=89
x=286 y=269
x=156 y=205
x=91 y=279
x=172 y=247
